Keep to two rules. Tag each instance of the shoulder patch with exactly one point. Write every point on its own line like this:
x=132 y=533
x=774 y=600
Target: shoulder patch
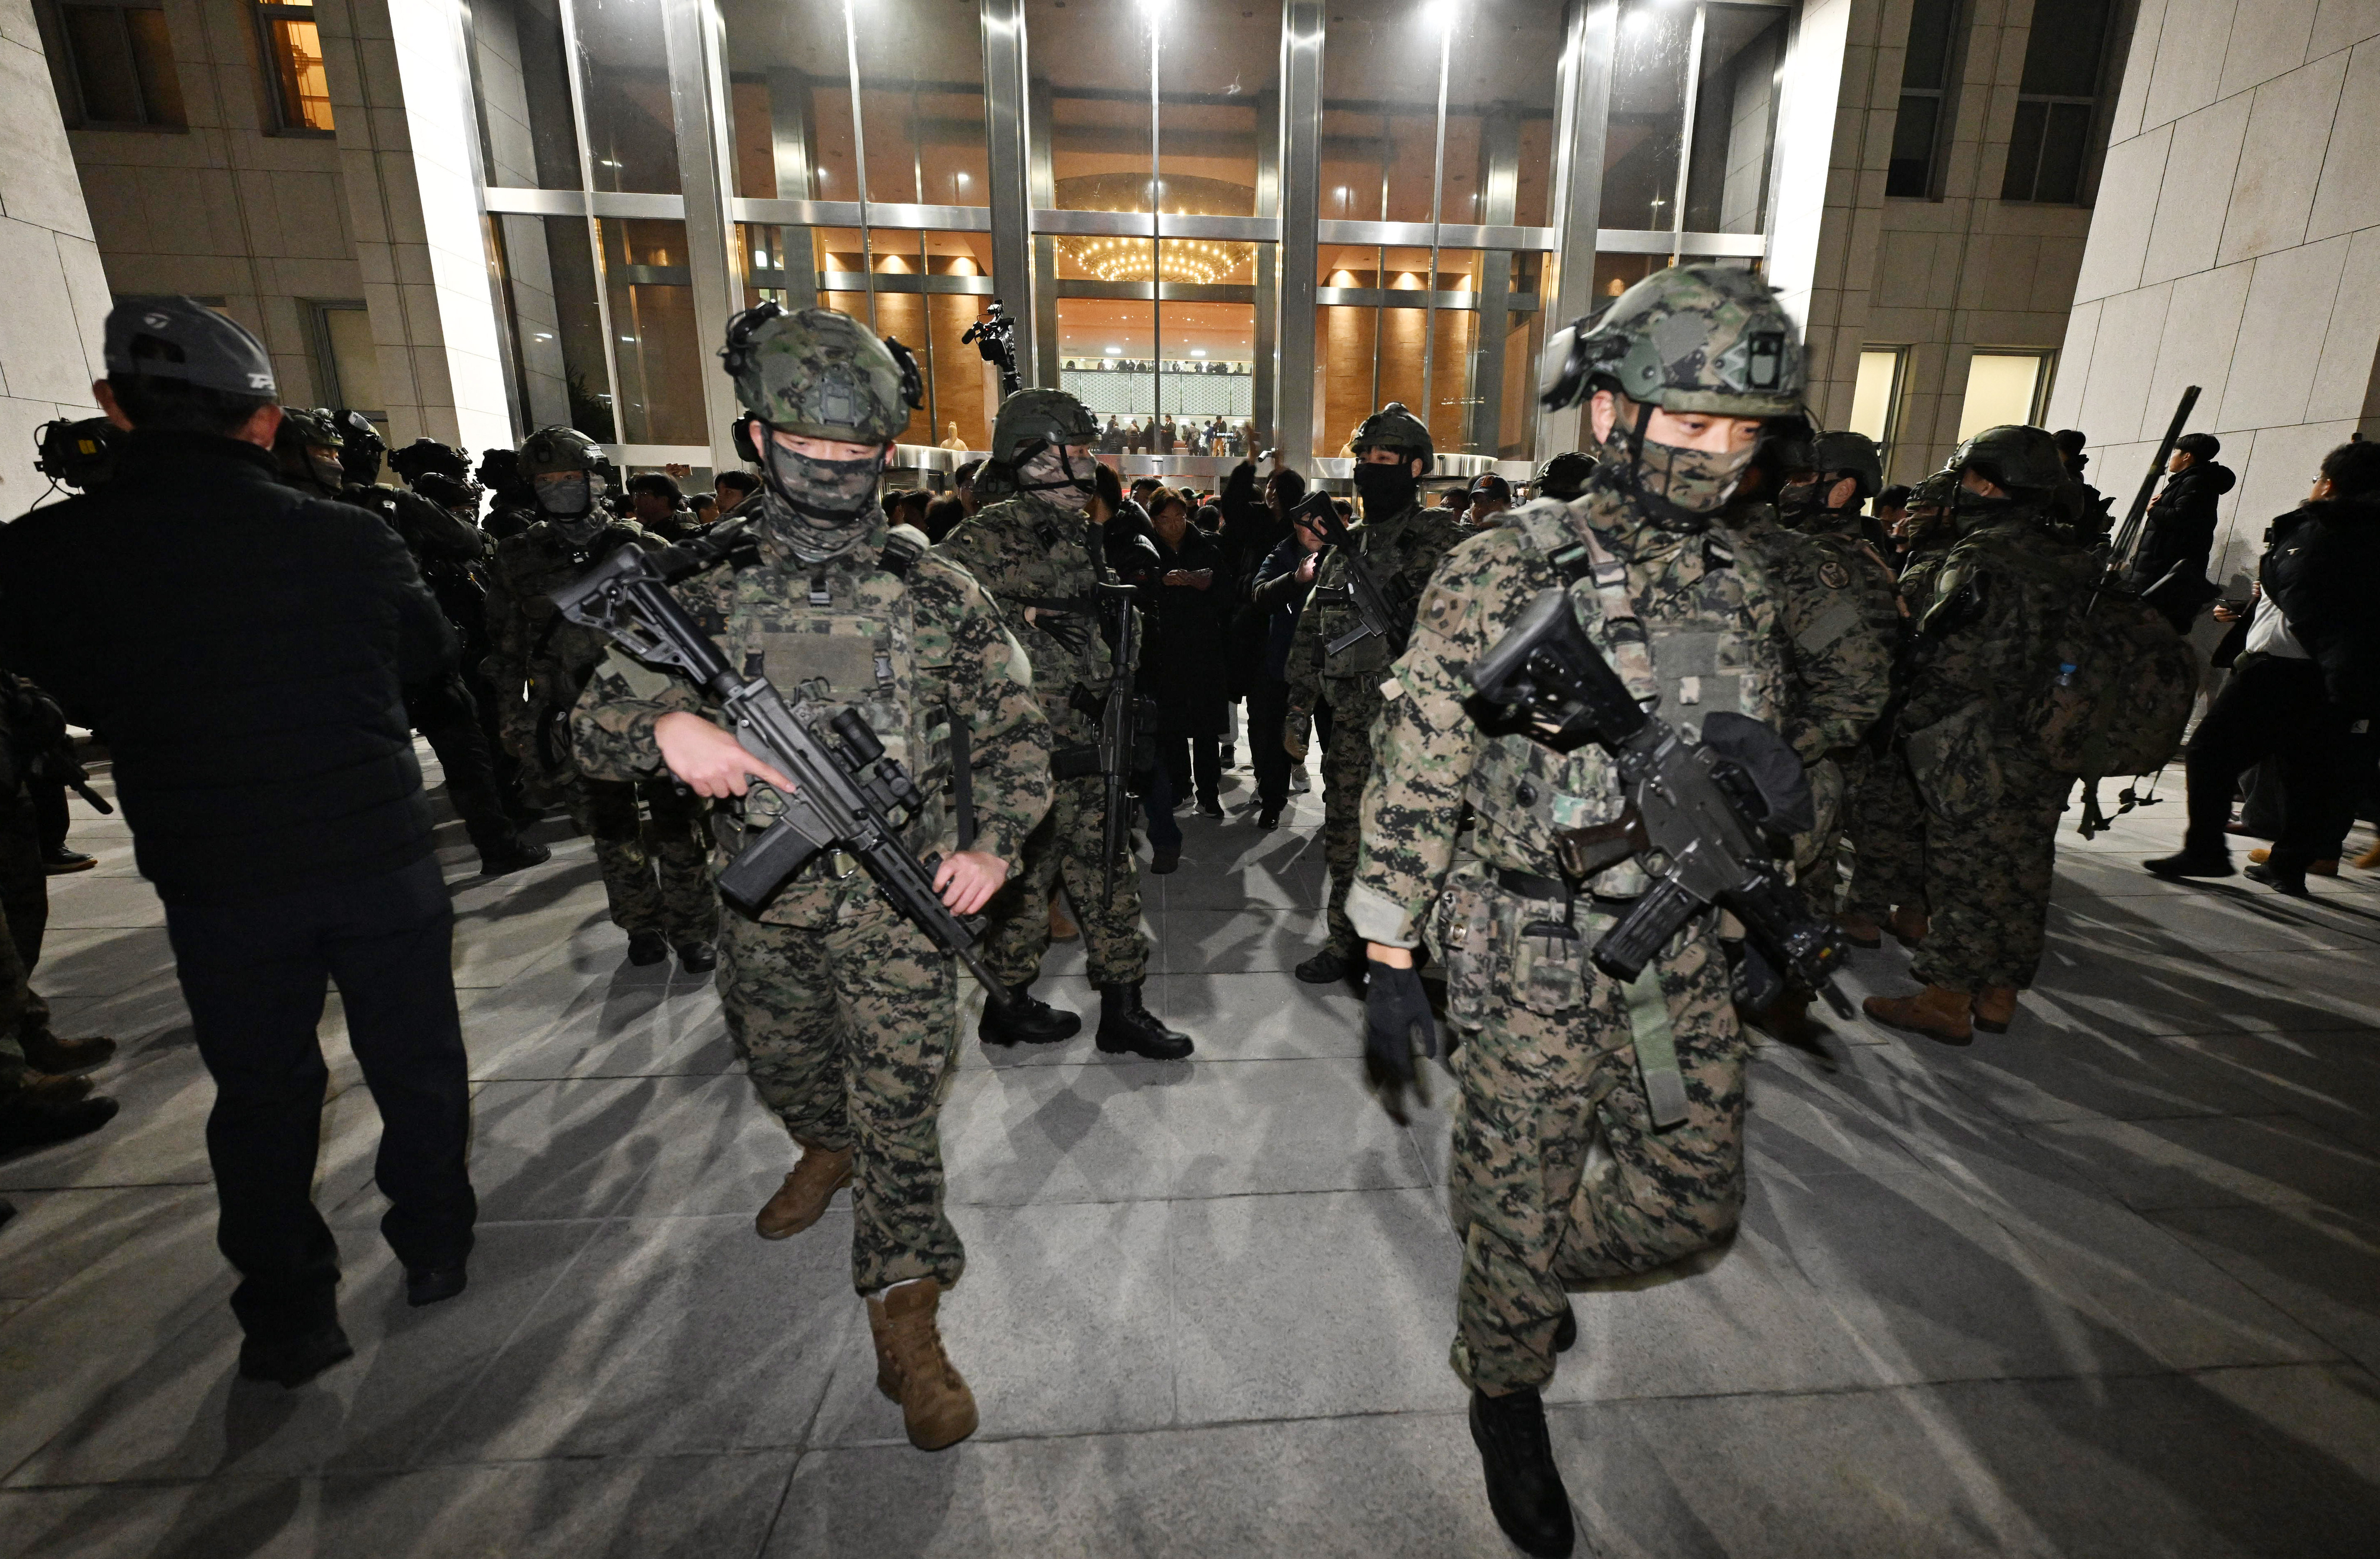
x=1834 y=575
x=1440 y=610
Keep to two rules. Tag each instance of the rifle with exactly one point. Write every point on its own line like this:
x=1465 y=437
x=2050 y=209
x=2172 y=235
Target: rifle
x=1119 y=728
x=837 y=803
x=995 y=337
x=58 y=763
x=2128 y=535
x=1694 y=811
x=1371 y=602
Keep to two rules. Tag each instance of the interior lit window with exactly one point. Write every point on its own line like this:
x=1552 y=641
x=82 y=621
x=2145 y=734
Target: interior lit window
x=113 y=64
x=1875 y=397
x=293 y=52
x=2004 y=387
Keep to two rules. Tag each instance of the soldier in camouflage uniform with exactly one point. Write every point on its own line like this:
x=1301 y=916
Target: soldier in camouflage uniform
x=1842 y=621
x=1041 y=557
x=656 y=869
x=1884 y=817
x=1992 y=803
x=1402 y=542
x=1560 y=1175
x=844 y=1013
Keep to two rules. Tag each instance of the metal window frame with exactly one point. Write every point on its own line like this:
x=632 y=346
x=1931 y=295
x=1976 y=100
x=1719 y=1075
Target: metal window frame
x=2033 y=185
x=326 y=359
x=1889 y=438
x=84 y=120
x=1961 y=24
x=287 y=120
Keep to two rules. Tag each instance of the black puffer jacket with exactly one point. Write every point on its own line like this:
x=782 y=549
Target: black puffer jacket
x=2181 y=523
x=240 y=646
x=2322 y=568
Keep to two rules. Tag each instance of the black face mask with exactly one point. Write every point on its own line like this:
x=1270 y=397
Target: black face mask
x=1385 y=489
x=1800 y=502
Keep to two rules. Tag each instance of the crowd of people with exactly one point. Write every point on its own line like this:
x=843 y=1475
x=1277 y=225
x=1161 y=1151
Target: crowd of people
x=995 y=689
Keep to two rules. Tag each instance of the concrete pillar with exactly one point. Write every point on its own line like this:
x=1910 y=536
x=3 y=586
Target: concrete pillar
x=52 y=328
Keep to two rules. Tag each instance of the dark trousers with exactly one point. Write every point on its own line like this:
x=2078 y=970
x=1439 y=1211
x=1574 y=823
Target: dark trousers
x=2273 y=707
x=49 y=817
x=445 y=713
x=1157 y=802
x=255 y=974
x=1184 y=757
x=1267 y=708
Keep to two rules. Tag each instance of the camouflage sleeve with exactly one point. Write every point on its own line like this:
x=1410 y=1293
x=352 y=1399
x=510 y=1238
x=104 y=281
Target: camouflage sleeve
x=507 y=664
x=611 y=725
x=1425 y=745
x=1304 y=672
x=974 y=667
x=1971 y=646
x=1842 y=661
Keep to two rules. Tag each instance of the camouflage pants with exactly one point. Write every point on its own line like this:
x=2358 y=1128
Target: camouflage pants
x=1817 y=867
x=24 y=899
x=849 y=1028
x=1346 y=764
x=1987 y=879
x=1539 y=1213
x=655 y=867
x=1068 y=843
x=1886 y=823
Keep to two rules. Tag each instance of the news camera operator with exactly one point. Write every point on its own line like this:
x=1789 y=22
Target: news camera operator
x=245 y=647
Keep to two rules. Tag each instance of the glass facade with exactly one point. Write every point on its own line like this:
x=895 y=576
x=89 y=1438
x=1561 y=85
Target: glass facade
x=1175 y=199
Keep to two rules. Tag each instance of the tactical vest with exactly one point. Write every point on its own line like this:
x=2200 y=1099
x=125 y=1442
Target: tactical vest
x=1684 y=653
x=1333 y=605
x=843 y=635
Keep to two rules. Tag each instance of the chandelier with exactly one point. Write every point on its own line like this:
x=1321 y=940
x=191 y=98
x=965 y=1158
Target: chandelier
x=1193 y=261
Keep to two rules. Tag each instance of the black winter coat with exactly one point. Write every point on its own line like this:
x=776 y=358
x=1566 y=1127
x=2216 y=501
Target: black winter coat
x=2322 y=568
x=240 y=646
x=2180 y=527
x=1186 y=653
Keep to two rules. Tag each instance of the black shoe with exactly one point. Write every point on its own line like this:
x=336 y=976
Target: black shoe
x=1209 y=807
x=1127 y=1025
x=292 y=1362
x=1268 y=817
x=66 y=861
x=697 y=958
x=1028 y=1020
x=1566 y=1331
x=647 y=947
x=427 y=1285
x=1524 y=1488
x=37 y=1117
x=1330 y=967
x=2280 y=879
x=65 y=1058
x=519 y=858
x=1163 y=862
x=2192 y=865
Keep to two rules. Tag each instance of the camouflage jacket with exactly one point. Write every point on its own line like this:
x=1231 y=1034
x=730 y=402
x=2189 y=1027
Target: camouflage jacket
x=2000 y=594
x=538 y=660
x=1040 y=565
x=1716 y=642
x=1843 y=626
x=907 y=647
x=1401 y=551
x=430 y=530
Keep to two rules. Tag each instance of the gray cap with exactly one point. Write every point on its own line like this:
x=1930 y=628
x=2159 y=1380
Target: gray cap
x=182 y=338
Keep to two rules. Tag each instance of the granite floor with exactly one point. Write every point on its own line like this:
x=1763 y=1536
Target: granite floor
x=2107 y=1285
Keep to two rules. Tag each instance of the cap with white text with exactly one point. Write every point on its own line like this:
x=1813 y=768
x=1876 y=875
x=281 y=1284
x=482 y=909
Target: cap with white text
x=182 y=338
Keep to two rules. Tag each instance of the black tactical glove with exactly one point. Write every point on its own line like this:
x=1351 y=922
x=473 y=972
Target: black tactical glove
x=1072 y=632
x=1397 y=1026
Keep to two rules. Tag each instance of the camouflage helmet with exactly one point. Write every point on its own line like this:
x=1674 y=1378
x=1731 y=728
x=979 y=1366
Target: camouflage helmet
x=1837 y=455
x=1033 y=421
x=550 y=450
x=1939 y=490
x=821 y=374
x=423 y=456
x=1692 y=338
x=301 y=429
x=1565 y=475
x=1394 y=427
x=2018 y=459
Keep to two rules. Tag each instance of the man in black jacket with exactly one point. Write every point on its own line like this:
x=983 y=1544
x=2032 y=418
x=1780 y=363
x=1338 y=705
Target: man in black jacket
x=2306 y=687
x=245 y=647
x=2179 y=535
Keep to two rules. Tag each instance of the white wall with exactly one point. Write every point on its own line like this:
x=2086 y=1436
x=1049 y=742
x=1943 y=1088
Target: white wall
x=2236 y=247
x=54 y=324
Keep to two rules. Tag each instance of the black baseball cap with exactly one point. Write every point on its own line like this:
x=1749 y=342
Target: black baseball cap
x=172 y=337
x=1490 y=485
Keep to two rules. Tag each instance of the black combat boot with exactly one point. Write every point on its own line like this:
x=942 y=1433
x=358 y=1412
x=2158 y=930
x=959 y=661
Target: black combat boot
x=698 y=957
x=1331 y=967
x=1566 y=1331
x=1127 y=1025
x=293 y=1361
x=502 y=860
x=1028 y=1020
x=647 y=947
x=1524 y=1488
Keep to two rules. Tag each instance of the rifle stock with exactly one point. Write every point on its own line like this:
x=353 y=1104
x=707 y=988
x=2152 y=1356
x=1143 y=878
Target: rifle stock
x=2128 y=535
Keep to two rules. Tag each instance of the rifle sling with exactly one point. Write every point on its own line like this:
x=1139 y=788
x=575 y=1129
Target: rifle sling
x=961 y=779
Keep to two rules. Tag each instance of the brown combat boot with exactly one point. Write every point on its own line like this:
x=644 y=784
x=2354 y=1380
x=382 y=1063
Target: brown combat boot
x=1863 y=931
x=1995 y=1008
x=802 y=1200
x=1934 y=1012
x=1908 y=924
x=2370 y=860
x=1061 y=925
x=937 y=1408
